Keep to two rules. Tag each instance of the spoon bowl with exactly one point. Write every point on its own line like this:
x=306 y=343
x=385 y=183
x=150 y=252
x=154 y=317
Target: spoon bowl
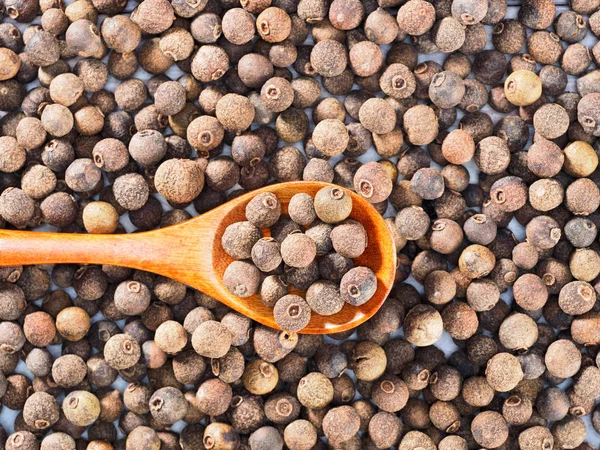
x=191 y=252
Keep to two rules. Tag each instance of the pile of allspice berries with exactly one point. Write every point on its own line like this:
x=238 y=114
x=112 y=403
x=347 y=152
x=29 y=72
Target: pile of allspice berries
x=214 y=98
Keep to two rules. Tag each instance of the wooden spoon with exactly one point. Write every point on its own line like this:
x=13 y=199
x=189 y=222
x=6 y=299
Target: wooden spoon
x=191 y=252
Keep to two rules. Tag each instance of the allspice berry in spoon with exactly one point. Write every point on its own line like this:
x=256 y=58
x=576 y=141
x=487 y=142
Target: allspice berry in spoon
x=242 y=279
x=358 y=285
x=332 y=204
x=349 y=239
x=298 y=250
x=263 y=210
x=291 y=313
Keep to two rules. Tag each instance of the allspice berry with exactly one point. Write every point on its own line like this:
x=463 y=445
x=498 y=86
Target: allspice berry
x=476 y=261
x=423 y=326
x=10 y=63
x=562 y=358
x=489 y=429
x=72 y=323
x=211 y=339
x=40 y=411
x=180 y=181
x=458 y=147
x=580 y=159
x=260 y=377
x=330 y=136
x=81 y=408
x=371 y=182
x=315 y=391
x=414 y=121
x=332 y=204
x=122 y=351
x=522 y=88
x=503 y=372
x=100 y=218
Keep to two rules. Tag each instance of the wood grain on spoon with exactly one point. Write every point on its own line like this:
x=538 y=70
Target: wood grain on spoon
x=191 y=253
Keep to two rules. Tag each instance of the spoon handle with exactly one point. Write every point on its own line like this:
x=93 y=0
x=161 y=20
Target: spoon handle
x=30 y=247
x=170 y=251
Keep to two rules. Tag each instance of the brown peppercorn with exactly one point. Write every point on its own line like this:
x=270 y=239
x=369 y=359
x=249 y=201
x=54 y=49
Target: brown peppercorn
x=563 y=359
x=423 y=326
x=580 y=159
x=72 y=323
x=537 y=14
x=206 y=28
x=121 y=351
x=40 y=411
x=543 y=232
x=315 y=390
x=143 y=436
x=340 y=424
x=120 y=33
x=171 y=337
x=298 y=250
x=330 y=137
x=509 y=193
x=10 y=62
x=179 y=180
x=390 y=393
x=448 y=34
x=210 y=63
x=582 y=197
x=545 y=158
x=277 y=94
x=209 y=333
x=220 y=436
x=266 y=255
x=300 y=435
x=301 y=209
x=83 y=39
x=81 y=408
x=332 y=204
x=427 y=183
x=168 y=405
x=358 y=285
x=43 y=48
x=365 y=58
x=544 y=47
x=414 y=125
x=416 y=17
x=153 y=16
x=503 y=372
x=522 y=88
x=273 y=24
x=291 y=313
x=100 y=218
x=489 y=429
x=12 y=156
x=235 y=112
x=576 y=297
x=377 y=116
x=131 y=191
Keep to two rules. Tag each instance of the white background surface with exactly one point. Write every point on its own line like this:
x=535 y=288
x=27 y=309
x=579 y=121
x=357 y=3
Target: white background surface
x=446 y=344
